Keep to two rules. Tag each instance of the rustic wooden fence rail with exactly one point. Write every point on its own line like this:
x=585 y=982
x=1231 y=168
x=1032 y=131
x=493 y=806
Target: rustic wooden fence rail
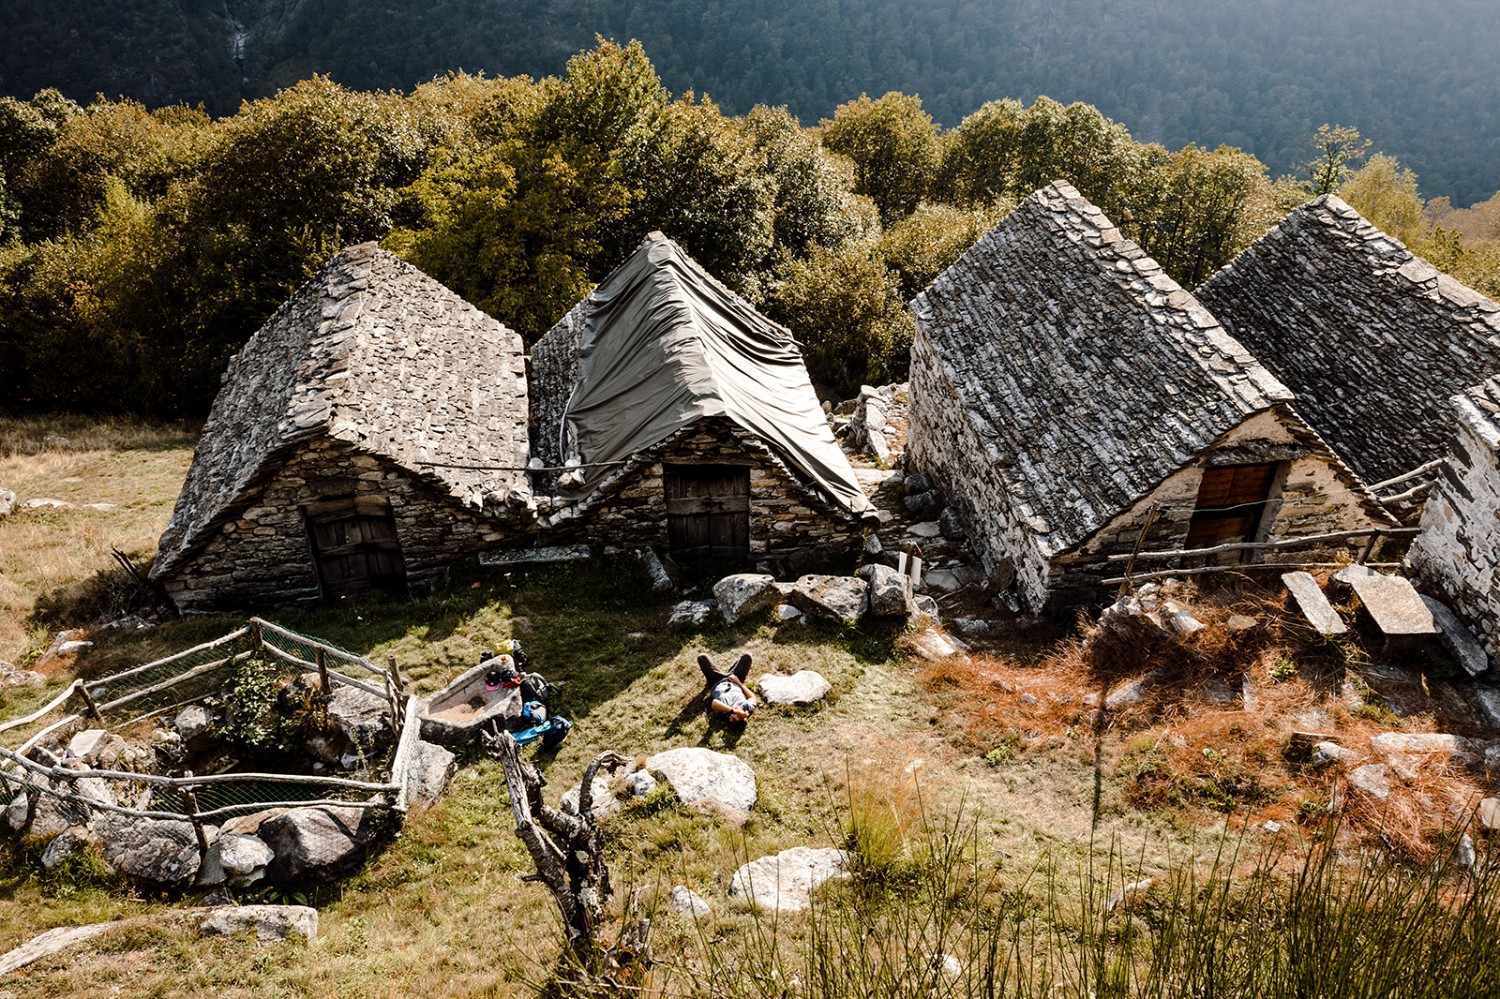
x=1374 y=536
x=105 y=698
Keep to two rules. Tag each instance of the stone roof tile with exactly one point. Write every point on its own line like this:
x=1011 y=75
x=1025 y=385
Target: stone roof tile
x=1060 y=336
x=1372 y=338
x=374 y=353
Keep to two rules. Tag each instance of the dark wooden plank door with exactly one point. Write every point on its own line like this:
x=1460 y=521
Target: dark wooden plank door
x=1231 y=503
x=355 y=547
x=708 y=511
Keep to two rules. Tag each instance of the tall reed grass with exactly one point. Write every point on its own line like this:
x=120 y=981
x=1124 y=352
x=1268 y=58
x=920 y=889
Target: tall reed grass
x=1264 y=919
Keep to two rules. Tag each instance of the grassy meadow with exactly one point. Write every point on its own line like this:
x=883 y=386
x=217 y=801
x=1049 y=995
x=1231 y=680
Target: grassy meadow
x=996 y=813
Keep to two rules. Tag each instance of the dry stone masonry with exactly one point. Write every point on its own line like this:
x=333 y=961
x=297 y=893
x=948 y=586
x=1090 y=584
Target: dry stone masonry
x=1062 y=385
x=1458 y=551
x=1371 y=338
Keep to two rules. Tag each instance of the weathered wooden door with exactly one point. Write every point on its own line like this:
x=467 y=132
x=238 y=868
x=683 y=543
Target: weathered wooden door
x=1231 y=503
x=708 y=511
x=355 y=546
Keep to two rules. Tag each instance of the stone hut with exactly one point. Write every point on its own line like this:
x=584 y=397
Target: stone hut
x=690 y=423
x=1458 y=551
x=1066 y=393
x=370 y=434
x=1372 y=339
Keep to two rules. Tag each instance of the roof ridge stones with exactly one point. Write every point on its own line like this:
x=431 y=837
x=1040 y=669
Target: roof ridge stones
x=1372 y=338
x=378 y=355
x=1090 y=372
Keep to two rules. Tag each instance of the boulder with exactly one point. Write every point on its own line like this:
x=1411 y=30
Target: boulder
x=53 y=815
x=640 y=783
x=1324 y=753
x=925 y=606
x=837 y=598
x=802 y=688
x=96 y=747
x=363 y=718
x=158 y=851
x=237 y=858
x=786 y=612
x=1489 y=814
x=1422 y=742
x=920 y=482
x=656 y=571
x=193 y=721
x=890 y=591
x=684 y=901
x=933 y=644
x=428 y=772
x=785 y=881
x=7 y=503
x=704 y=778
x=67 y=843
x=267 y=922
x=922 y=504
x=54 y=941
x=690 y=613
x=745 y=594
x=313 y=844
x=13 y=676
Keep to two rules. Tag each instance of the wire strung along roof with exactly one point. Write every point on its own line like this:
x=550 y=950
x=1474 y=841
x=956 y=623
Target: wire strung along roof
x=662 y=345
x=1090 y=374
x=373 y=353
x=1373 y=339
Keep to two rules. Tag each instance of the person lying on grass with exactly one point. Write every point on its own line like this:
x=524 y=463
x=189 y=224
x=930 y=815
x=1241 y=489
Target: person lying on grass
x=727 y=692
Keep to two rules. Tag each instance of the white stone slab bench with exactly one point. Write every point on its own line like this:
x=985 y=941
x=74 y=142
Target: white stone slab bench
x=1313 y=604
x=1391 y=601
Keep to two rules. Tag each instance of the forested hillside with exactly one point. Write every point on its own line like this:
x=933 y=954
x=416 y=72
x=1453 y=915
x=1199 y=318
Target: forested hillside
x=1418 y=79
x=140 y=248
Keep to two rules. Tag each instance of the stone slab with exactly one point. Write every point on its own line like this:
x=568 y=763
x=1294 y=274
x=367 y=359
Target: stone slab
x=1457 y=639
x=1313 y=604
x=1393 y=604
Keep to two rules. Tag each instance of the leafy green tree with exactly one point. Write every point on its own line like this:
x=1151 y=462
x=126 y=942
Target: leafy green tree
x=1338 y=146
x=845 y=306
x=815 y=203
x=1386 y=193
x=1195 y=209
x=894 y=146
x=922 y=245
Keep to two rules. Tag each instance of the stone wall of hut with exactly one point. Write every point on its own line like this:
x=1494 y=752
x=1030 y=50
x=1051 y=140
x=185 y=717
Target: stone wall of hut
x=1458 y=551
x=790 y=522
x=262 y=555
x=1313 y=494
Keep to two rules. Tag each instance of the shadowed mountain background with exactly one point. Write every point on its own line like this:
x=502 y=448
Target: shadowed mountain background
x=1417 y=79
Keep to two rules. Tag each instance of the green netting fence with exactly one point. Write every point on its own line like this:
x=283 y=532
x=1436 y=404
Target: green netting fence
x=31 y=762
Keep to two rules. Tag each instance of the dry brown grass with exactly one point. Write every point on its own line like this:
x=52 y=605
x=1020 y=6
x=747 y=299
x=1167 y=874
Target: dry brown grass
x=60 y=558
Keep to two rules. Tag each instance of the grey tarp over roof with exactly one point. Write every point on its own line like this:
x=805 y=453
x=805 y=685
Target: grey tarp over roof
x=666 y=345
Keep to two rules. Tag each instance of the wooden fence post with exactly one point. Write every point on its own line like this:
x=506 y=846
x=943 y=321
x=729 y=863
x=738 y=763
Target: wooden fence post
x=1369 y=550
x=257 y=639
x=321 y=658
x=192 y=804
x=88 y=699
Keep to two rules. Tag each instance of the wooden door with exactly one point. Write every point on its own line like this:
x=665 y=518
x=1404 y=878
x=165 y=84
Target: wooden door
x=1231 y=503
x=708 y=511
x=355 y=546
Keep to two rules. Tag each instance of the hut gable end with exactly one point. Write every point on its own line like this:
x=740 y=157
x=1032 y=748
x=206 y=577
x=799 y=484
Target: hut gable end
x=1086 y=374
x=374 y=355
x=1371 y=338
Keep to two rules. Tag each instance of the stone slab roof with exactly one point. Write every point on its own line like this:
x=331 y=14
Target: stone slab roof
x=1479 y=408
x=1373 y=339
x=659 y=345
x=1090 y=374
x=376 y=354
